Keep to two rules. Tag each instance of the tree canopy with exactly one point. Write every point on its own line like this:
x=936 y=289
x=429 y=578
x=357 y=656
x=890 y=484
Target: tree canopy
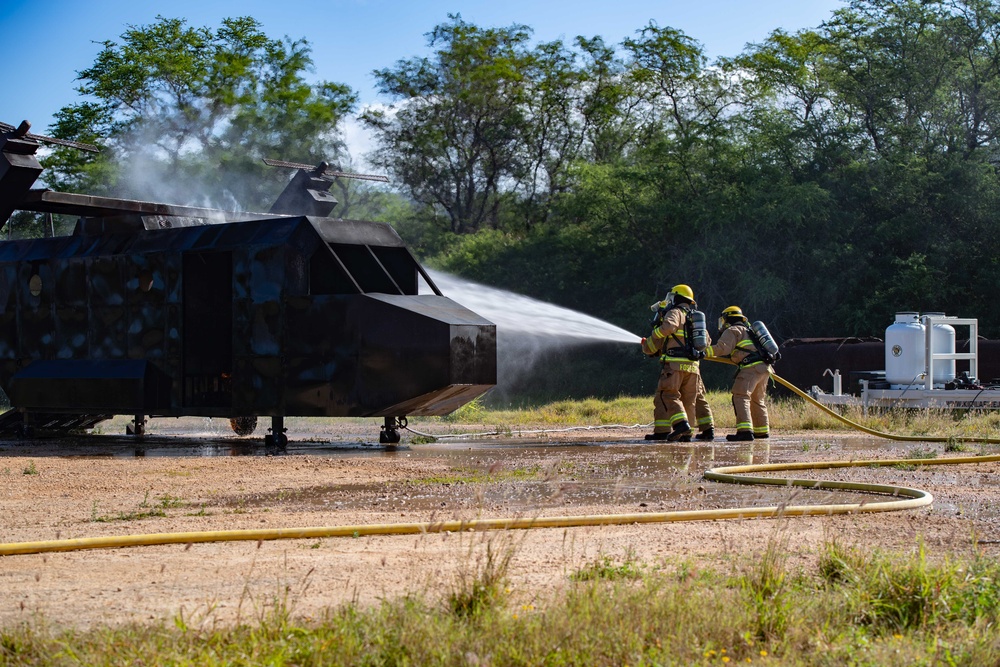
x=821 y=179
x=189 y=112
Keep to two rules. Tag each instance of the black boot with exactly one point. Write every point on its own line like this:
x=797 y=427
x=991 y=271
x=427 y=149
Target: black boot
x=681 y=432
x=658 y=436
x=740 y=436
x=761 y=436
x=707 y=435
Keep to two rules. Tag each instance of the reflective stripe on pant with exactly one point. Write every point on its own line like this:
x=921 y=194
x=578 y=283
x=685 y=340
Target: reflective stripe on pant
x=674 y=389
x=698 y=411
x=749 y=394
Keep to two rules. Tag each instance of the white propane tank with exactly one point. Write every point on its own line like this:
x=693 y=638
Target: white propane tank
x=943 y=343
x=904 y=351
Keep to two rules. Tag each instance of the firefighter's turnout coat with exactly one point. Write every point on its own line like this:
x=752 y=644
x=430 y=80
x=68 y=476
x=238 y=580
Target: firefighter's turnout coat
x=750 y=383
x=680 y=377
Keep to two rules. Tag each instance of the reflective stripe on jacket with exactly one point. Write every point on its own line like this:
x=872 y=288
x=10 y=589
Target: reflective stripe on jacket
x=735 y=343
x=666 y=334
x=669 y=335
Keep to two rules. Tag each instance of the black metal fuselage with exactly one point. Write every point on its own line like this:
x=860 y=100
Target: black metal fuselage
x=149 y=309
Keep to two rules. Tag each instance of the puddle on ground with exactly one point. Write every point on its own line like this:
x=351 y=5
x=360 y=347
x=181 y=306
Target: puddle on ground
x=520 y=475
x=217 y=440
x=524 y=477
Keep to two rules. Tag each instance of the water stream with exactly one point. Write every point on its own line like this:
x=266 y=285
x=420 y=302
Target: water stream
x=536 y=341
x=519 y=315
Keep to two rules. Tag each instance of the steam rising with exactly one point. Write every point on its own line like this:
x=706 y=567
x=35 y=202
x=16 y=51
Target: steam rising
x=198 y=168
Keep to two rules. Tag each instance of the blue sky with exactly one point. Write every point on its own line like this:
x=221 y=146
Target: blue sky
x=46 y=42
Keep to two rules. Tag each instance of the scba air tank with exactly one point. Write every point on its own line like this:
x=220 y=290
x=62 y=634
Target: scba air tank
x=904 y=351
x=766 y=340
x=943 y=343
x=700 y=338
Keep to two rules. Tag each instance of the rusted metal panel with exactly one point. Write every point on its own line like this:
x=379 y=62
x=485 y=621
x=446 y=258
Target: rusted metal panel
x=307 y=194
x=102 y=214
x=90 y=385
x=804 y=360
x=18 y=170
x=71 y=286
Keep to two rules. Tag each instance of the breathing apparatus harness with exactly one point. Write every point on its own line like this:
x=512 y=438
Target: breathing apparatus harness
x=692 y=348
x=765 y=349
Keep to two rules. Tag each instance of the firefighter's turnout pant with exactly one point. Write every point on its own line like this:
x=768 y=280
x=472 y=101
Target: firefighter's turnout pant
x=678 y=386
x=749 y=393
x=698 y=411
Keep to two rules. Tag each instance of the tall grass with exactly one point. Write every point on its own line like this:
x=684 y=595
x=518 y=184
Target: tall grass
x=591 y=411
x=765 y=588
x=789 y=414
x=856 y=607
x=900 y=593
x=480 y=583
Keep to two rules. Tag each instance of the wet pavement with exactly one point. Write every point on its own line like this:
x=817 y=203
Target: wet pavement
x=516 y=474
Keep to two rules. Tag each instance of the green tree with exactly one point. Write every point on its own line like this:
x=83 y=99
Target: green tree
x=613 y=105
x=554 y=130
x=674 y=191
x=787 y=102
x=455 y=136
x=970 y=114
x=916 y=83
x=888 y=61
x=689 y=98
x=196 y=109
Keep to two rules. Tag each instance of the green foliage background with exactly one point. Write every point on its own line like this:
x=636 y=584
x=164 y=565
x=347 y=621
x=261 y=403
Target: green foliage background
x=821 y=180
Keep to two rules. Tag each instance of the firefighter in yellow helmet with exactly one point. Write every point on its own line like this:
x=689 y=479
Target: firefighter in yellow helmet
x=750 y=383
x=680 y=378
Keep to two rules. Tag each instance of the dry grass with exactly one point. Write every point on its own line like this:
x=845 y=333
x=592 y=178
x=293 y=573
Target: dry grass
x=785 y=414
x=855 y=607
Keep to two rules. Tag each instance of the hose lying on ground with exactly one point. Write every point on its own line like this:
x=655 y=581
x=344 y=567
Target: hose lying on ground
x=902 y=498
x=880 y=434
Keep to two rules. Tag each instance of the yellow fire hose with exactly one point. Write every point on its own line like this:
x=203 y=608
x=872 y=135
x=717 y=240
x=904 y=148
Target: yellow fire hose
x=901 y=498
x=880 y=434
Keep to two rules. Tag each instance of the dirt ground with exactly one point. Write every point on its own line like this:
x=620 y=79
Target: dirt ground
x=192 y=475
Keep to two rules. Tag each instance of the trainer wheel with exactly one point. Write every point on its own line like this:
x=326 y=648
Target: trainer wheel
x=243 y=425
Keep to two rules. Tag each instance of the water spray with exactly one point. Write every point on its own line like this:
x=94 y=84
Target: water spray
x=519 y=315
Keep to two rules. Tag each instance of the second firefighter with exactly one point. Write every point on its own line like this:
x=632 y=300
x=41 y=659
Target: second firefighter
x=750 y=383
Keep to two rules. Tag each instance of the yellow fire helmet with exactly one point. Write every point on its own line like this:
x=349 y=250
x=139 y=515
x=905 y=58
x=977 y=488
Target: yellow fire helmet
x=681 y=290
x=731 y=315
